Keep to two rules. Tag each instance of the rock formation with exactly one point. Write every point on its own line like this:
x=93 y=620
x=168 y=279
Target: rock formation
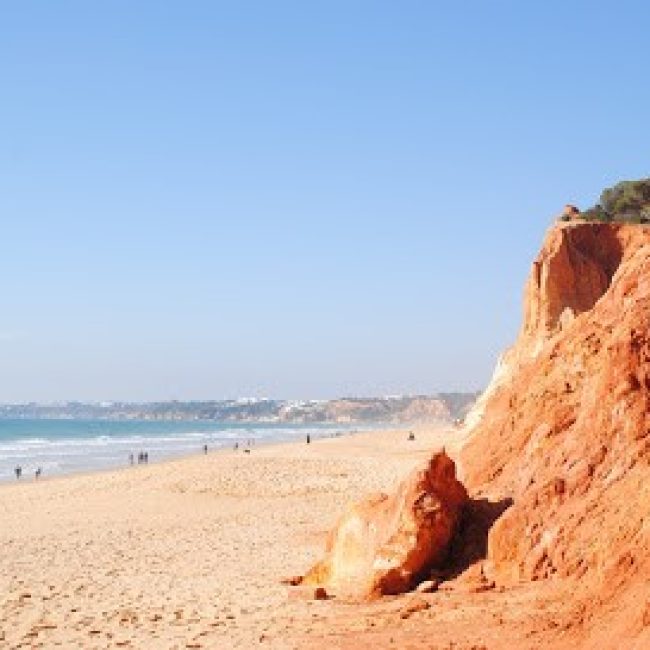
x=555 y=454
x=384 y=543
x=564 y=428
x=570 y=212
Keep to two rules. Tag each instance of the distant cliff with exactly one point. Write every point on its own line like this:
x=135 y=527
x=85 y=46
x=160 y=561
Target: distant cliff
x=352 y=410
x=394 y=410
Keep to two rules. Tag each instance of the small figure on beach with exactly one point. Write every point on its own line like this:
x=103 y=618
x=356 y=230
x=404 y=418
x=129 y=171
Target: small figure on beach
x=145 y=457
x=411 y=435
x=308 y=438
x=236 y=446
x=38 y=473
x=18 y=471
x=205 y=449
x=131 y=459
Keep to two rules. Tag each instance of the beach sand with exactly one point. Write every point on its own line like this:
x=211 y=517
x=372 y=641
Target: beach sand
x=185 y=553
x=191 y=554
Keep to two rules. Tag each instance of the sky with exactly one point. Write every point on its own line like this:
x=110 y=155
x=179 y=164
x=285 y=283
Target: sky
x=209 y=200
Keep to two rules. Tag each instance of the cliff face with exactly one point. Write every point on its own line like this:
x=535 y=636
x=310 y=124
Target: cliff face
x=573 y=270
x=555 y=457
x=564 y=428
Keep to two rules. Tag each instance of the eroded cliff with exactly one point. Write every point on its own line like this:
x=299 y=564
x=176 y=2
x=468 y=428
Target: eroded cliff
x=555 y=457
x=564 y=430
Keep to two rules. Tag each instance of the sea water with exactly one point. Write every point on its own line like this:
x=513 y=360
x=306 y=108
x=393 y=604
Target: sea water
x=67 y=446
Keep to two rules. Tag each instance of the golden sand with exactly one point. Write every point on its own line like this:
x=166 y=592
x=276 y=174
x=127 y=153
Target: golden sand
x=187 y=553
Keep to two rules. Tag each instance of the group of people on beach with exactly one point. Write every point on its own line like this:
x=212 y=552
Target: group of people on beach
x=143 y=458
x=18 y=471
x=247 y=449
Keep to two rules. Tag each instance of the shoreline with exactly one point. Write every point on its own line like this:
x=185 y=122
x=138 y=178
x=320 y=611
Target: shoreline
x=258 y=444
x=223 y=450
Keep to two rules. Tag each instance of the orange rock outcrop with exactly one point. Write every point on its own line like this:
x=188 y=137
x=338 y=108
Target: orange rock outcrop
x=555 y=455
x=383 y=544
x=564 y=429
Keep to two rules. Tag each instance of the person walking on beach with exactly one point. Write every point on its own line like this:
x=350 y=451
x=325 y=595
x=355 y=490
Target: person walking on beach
x=37 y=473
x=205 y=449
x=131 y=459
x=18 y=471
x=308 y=438
x=145 y=457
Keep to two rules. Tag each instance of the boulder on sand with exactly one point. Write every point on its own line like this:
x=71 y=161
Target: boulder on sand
x=384 y=544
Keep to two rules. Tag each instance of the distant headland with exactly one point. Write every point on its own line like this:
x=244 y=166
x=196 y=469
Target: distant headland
x=392 y=409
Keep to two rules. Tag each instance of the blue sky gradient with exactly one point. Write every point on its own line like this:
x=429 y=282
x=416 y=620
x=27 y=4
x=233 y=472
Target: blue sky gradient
x=292 y=199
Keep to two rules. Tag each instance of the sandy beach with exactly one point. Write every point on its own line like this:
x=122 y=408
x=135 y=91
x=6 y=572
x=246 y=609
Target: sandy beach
x=191 y=553
x=326 y=326
x=186 y=553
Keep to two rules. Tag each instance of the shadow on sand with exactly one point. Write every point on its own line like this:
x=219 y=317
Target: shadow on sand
x=470 y=543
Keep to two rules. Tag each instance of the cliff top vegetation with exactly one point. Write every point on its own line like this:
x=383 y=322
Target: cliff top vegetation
x=627 y=201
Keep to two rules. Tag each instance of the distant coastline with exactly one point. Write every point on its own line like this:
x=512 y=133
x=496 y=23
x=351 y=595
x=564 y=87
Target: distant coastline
x=71 y=437
x=348 y=410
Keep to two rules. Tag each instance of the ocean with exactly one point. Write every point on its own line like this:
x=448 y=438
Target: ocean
x=67 y=446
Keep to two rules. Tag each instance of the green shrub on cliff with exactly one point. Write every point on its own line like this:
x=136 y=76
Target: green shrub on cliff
x=595 y=214
x=627 y=201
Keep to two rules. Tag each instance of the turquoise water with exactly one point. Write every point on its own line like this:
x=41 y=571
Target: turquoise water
x=66 y=446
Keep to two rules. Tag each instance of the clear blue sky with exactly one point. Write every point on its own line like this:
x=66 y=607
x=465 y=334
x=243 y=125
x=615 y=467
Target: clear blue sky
x=294 y=199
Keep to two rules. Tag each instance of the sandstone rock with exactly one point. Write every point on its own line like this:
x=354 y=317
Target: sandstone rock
x=564 y=429
x=320 y=593
x=414 y=605
x=573 y=270
x=645 y=619
x=384 y=543
x=486 y=585
x=570 y=212
x=571 y=273
x=428 y=586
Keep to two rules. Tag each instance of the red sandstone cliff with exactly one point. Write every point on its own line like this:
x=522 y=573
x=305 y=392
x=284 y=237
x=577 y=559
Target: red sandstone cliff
x=556 y=460
x=564 y=430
